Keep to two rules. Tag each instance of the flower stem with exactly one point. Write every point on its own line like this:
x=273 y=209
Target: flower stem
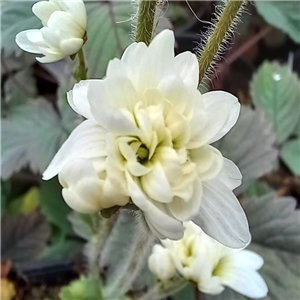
x=214 y=42
x=81 y=70
x=145 y=22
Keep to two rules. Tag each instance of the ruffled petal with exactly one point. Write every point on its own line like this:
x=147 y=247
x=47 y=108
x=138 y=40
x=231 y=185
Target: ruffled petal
x=222 y=217
x=112 y=101
x=184 y=211
x=209 y=162
x=88 y=140
x=156 y=184
x=156 y=215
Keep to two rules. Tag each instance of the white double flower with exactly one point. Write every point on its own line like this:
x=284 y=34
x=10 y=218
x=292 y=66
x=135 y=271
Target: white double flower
x=63 y=33
x=212 y=266
x=146 y=140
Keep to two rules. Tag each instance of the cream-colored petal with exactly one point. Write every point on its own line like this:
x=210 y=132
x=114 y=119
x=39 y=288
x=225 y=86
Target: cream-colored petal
x=209 y=162
x=112 y=101
x=185 y=211
x=156 y=184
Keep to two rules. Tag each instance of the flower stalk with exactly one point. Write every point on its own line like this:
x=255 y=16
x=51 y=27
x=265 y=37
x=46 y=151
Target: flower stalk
x=221 y=29
x=146 y=12
x=81 y=70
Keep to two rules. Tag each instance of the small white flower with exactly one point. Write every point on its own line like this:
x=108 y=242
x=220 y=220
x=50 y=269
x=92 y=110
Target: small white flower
x=63 y=33
x=147 y=134
x=212 y=266
x=160 y=263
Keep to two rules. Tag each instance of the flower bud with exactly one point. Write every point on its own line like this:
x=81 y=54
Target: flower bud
x=160 y=263
x=63 y=33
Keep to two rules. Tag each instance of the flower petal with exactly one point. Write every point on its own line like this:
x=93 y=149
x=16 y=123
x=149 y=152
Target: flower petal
x=209 y=162
x=230 y=174
x=43 y=10
x=156 y=215
x=213 y=101
x=222 y=217
x=112 y=101
x=244 y=258
x=156 y=184
x=25 y=44
x=78 y=10
x=78 y=99
x=184 y=211
x=71 y=46
x=245 y=281
x=87 y=140
x=82 y=187
x=187 y=67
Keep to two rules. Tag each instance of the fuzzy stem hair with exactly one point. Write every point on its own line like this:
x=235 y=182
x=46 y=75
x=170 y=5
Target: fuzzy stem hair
x=146 y=12
x=217 y=35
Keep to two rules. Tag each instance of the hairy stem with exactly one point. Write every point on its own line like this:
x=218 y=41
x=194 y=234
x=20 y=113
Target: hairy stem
x=214 y=42
x=81 y=70
x=145 y=21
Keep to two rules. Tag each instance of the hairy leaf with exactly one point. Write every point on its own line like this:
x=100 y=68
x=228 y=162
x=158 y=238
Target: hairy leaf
x=24 y=237
x=283 y=15
x=290 y=153
x=30 y=137
x=250 y=144
x=275 y=91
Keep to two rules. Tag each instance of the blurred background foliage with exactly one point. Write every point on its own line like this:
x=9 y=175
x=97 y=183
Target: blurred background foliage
x=45 y=246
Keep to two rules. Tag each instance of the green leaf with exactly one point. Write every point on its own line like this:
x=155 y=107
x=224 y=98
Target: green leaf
x=108 y=33
x=24 y=237
x=257 y=189
x=64 y=248
x=275 y=91
x=30 y=136
x=250 y=144
x=290 y=154
x=16 y=16
x=82 y=289
x=54 y=207
x=283 y=15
